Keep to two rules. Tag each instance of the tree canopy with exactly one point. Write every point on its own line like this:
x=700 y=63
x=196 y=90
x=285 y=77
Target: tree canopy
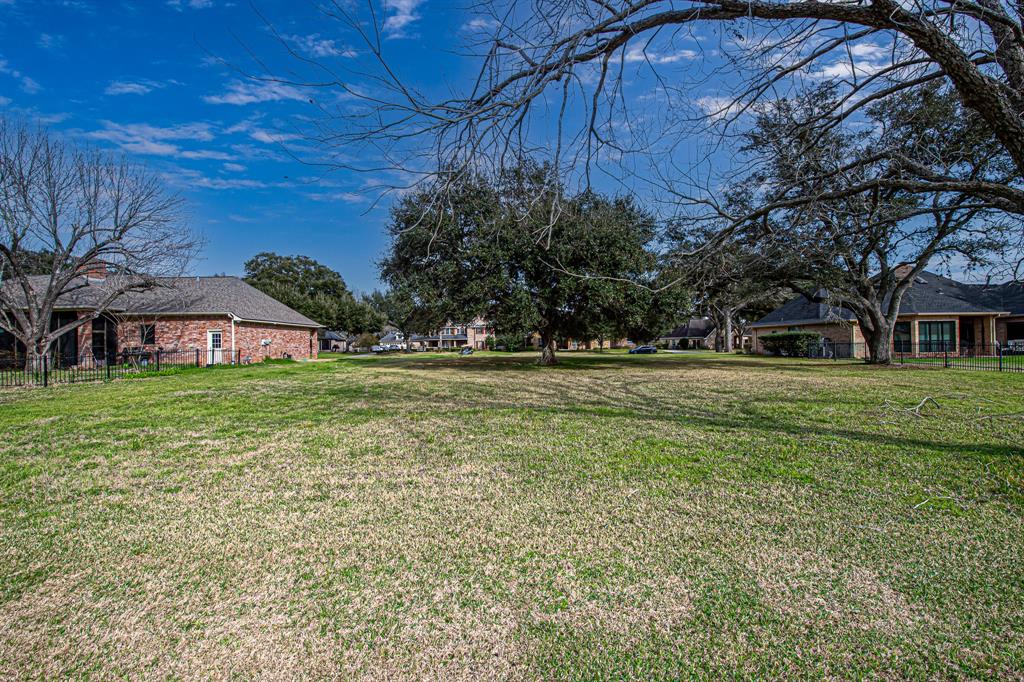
x=312 y=289
x=862 y=242
x=491 y=253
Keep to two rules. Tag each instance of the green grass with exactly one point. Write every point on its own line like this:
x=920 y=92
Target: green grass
x=436 y=516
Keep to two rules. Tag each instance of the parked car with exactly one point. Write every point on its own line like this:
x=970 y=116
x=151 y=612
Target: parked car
x=643 y=350
x=466 y=351
x=377 y=349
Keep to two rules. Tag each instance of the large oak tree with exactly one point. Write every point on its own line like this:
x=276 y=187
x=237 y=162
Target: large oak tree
x=496 y=250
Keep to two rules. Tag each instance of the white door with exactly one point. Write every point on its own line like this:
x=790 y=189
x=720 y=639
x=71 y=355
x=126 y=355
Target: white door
x=214 y=347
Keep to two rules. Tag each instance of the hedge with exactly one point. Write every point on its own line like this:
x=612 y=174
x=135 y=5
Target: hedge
x=791 y=344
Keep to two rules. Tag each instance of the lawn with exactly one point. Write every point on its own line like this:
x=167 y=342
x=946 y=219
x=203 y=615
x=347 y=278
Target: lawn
x=479 y=517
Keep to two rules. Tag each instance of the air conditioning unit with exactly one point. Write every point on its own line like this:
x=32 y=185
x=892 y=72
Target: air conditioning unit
x=264 y=342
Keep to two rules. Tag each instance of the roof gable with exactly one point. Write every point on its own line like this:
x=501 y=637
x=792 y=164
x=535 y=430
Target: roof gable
x=184 y=296
x=928 y=294
x=694 y=328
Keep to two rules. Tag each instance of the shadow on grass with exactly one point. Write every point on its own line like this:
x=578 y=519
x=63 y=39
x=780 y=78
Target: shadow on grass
x=569 y=361
x=796 y=415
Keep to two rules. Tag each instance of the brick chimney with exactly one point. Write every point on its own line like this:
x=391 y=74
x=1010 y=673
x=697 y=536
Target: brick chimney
x=903 y=270
x=96 y=270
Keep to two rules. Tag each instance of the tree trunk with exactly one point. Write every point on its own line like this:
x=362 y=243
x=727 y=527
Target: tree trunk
x=34 y=354
x=547 y=353
x=879 y=342
x=727 y=342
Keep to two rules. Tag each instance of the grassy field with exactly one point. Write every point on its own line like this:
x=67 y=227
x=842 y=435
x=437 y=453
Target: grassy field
x=444 y=517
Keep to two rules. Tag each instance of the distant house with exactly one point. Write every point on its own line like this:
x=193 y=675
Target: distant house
x=455 y=335
x=393 y=338
x=937 y=314
x=220 y=318
x=335 y=341
x=696 y=333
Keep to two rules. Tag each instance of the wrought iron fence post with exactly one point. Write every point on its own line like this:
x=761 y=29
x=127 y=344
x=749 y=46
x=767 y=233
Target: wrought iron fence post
x=158 y=361
x=945 y=355
x=46 y=371
x=107 y=364
x=197 y=357
x=999 y=350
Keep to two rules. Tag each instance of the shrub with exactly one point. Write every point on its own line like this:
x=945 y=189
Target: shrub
x=791 y=344
x=366 y=341
x=512 y=344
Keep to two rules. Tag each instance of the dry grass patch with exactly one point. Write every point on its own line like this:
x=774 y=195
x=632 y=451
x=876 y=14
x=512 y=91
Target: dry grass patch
x=482 y=519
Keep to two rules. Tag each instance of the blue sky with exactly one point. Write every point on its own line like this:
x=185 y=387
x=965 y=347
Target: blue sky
x=149 y=79
x=160 y=81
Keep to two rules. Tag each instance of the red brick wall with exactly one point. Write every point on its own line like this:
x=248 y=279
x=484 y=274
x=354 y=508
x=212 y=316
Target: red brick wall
x=294 y=341
x=190 y=333
x=176 y=333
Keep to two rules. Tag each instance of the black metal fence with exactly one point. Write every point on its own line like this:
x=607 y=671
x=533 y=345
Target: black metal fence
x=57 y=369
x=991 y=357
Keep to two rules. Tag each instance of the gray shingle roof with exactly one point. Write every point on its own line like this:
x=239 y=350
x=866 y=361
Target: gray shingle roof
x=800 y=310
x=188 y=295
x=1008 y=297
x=930 y=293
x=694 y=328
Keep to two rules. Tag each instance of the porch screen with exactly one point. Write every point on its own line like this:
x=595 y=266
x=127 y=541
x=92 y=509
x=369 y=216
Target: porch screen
x=936 y=337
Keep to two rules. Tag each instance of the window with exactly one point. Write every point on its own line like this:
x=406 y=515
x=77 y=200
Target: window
x=936 y=337
x=99 y=338
x=901 y=337
x=147 y=334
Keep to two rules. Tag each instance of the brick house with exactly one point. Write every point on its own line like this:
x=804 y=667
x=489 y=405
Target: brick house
x=699 y=332
x=221 y=318
x=937 y=314
x=455 y=335
x=534 y=341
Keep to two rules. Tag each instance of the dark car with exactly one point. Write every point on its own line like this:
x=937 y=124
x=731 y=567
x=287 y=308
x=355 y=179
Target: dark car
x=466 y=351
x=643 y=350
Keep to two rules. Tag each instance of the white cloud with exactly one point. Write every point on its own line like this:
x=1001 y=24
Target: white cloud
x=193 y=4
x=209 y=154
x=251 y=92
x=142 y=138
x=858 y=61
x=140 y=87
x=399 y=15
x=315 y=46
x=847 y=69
x=50 y=119
x=252 y=129
x=4 y=101
x=481 y=25
x=868 y=50
x=716 y=107
x=234 y=167
x=190 y=178
x=344 y=197
x=637 y=53
x=49 y=41
x=29 y=85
